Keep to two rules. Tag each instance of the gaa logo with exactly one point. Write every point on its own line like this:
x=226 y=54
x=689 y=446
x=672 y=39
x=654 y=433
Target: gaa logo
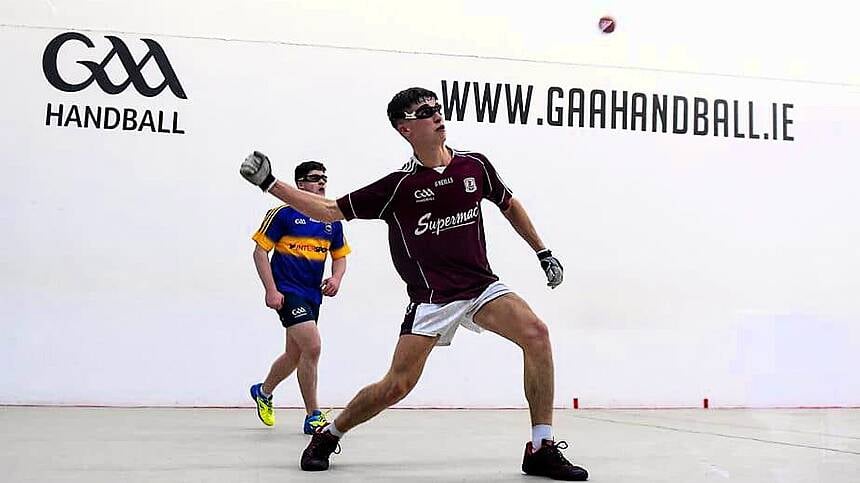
x=97 y=69
x=298 y=312
x=424 y=194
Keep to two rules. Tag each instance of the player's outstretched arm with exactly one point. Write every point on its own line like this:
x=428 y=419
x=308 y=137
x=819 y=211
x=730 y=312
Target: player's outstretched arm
x=258 y=171
x=519 y=219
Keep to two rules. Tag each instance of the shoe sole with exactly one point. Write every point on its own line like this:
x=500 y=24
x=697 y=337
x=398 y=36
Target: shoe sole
x=581 y=477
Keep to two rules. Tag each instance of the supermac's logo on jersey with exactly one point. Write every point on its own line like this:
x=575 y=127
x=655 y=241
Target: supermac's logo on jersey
x=91 y=66
x=428 y=224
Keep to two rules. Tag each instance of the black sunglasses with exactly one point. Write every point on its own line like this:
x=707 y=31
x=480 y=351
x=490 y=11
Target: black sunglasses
x=424 y=112
x=313 y=178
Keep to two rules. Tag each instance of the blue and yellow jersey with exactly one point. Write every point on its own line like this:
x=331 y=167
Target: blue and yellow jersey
x=301 y=245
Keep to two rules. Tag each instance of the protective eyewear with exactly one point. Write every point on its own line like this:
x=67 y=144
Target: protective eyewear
x=314 y=178
x=424 y=112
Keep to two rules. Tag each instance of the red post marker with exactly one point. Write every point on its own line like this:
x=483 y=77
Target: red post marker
x=606 y=24
x=576 y=403
x=705 y=403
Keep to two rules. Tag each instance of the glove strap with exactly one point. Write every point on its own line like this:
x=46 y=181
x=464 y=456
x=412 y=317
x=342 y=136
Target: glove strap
x=545 y=253
x=268 y=182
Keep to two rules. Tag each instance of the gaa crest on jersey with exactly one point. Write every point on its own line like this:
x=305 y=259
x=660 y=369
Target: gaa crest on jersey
x=328 y=228
x=470 y=185
x=424 y=194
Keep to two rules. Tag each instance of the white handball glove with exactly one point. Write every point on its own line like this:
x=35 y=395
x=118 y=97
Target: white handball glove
x=258 y=170
x=552 y=267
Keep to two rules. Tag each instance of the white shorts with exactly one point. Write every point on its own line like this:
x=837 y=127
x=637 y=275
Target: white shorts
x=443 y=319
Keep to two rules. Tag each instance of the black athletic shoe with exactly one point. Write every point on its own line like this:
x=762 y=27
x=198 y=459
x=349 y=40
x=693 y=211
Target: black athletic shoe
x=548 y=461
x=322 y=445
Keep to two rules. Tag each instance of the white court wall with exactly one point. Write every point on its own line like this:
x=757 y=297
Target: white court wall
x=696 y=265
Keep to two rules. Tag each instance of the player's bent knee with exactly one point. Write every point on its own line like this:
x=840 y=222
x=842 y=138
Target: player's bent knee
x=311 y=351
x=536 y=334
x=398 y=388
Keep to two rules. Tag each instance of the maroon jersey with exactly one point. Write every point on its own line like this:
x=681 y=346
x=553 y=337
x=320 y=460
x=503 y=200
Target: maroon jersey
x=435 y=226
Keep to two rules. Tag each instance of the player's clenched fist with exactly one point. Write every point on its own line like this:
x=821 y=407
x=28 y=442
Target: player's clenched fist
x=552 y=267
x=258 y=170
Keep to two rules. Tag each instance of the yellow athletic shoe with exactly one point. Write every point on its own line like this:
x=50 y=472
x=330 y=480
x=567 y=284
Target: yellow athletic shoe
x=265 y=411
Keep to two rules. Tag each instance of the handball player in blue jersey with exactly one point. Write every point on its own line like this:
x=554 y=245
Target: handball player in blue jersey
x=294 y=285
x=432 y=206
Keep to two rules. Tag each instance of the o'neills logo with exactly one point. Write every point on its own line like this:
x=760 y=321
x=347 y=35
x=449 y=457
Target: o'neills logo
x=439 y=225
x=67 y=78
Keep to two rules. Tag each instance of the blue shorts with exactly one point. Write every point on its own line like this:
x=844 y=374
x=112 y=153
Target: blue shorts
x=297 y=309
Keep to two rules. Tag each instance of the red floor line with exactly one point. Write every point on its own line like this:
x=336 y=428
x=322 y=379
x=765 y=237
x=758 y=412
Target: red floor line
x=433 y=408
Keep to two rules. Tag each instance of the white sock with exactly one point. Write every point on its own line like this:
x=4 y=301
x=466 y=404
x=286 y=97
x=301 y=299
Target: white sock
x=331 y=428
x=264 y=393
x=540 y=432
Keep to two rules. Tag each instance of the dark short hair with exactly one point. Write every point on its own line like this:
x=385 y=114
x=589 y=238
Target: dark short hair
x=405 y=98
x=306 y=167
